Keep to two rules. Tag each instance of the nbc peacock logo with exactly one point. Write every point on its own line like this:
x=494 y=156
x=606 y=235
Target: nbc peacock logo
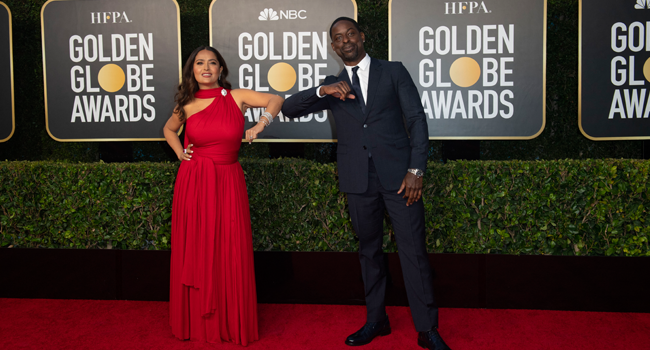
x=642 y=4
x=270 y=14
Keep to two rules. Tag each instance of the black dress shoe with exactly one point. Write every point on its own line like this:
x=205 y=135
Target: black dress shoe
x=432 y=340
x=369 y=332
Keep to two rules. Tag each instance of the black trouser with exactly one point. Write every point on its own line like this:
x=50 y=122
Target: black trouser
x=367 y=213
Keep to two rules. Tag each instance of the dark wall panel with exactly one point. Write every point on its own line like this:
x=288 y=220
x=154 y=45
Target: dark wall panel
x=460 y=280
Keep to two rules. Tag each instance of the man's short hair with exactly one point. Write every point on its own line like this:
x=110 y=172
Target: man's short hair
x=356 y=25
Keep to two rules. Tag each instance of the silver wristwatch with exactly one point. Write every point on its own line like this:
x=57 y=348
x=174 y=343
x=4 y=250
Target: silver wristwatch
x=417 y=172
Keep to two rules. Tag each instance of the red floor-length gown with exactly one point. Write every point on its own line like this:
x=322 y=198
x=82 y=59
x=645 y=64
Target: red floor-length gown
x=212 y=283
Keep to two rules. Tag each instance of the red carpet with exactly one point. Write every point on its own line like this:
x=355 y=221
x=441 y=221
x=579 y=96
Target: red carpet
x=87 y=324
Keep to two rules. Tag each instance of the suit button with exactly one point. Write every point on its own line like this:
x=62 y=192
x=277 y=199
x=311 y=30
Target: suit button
x=365 y=126
x=364 y=147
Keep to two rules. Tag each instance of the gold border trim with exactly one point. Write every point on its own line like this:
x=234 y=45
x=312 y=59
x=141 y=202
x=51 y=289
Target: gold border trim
x=390 y=30
x=584 y=133
x=47 y=124
x=292 y=140
x=545 y=24
x=11 y=76
x=210 y=21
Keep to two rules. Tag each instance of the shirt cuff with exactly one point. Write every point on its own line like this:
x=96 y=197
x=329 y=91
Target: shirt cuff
x=318 y=92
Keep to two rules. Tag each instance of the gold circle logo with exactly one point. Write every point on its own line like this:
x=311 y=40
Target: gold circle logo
x=282 y=77
x=111 y=77
x=646 y=69
x=465 y=72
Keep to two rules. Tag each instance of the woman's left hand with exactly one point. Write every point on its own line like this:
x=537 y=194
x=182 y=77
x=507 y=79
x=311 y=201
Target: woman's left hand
x=251 y=134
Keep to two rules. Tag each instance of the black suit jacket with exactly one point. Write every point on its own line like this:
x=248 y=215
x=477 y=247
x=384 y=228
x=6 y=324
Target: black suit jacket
x=393 y=113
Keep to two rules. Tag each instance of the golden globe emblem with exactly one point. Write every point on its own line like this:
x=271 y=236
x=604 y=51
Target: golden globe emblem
x=465 y=72
x=111 y=77
x=282 y=77
x=646 y=69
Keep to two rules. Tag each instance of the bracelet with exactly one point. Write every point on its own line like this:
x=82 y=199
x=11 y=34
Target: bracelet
x=268 y=117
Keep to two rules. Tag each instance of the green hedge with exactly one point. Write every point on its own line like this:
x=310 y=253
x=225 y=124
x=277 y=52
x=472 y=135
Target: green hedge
x=566 y=207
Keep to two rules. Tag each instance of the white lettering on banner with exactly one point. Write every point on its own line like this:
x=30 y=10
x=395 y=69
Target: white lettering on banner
x=633 y=107
x=425 y=77
x=286 y=46
x=293 y=45
x=620 y=75
x=463 y=7
x=109 y=17
x=270 y=14
x=490 y=72
x=636 y=37
x=91 y=109
x=89 y=88
x=250 y=76
x=629 y=103
x=447 y=104
x=245 y=82
x=91 y=47
x=76 y=82
x=304 y=75
x=293 y=14
x=258 y=81
x=495 y=72
x=309 y=48
x=137 y=76
x=489 y=39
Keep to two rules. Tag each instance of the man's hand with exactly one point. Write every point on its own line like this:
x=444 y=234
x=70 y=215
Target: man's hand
x=413 y=186
x=340 y=90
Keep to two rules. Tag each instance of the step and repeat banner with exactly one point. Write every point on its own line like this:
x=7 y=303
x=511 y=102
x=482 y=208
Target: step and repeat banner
x=7 y=114
x=110 y=67
x=614 y=69
x=479 y=66
x=280 y=47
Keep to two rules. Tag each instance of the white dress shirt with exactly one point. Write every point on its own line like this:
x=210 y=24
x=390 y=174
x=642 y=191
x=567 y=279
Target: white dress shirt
x=363 y=72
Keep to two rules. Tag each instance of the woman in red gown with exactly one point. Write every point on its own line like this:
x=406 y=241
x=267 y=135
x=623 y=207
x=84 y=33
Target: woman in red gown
x=212 y=283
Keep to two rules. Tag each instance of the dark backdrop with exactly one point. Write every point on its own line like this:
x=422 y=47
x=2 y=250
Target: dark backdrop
x=560 y=139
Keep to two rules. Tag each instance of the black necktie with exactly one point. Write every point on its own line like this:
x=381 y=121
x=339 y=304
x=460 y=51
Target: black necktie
x=357 y=89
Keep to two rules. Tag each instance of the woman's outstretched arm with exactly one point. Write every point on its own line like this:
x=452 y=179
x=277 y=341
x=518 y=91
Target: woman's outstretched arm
x=252 y=99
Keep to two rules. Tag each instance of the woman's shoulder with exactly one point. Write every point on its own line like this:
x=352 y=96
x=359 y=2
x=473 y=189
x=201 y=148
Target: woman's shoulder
x=196 y=105
x=188 y=106
x=241 y=95
x=236 y=92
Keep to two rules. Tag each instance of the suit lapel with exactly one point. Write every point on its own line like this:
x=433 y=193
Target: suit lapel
x=373 y=81
x=352 y=106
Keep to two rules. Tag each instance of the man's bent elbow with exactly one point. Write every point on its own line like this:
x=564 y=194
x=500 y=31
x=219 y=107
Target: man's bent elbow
x=290 y=113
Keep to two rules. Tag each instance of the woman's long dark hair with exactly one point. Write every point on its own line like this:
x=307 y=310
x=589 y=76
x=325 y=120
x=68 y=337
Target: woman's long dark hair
x=189 y=85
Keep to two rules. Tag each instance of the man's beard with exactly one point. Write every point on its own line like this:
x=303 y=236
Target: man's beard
x=352 y=55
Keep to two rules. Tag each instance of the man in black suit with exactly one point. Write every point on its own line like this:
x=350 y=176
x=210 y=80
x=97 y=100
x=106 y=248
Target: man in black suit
x=376 y=107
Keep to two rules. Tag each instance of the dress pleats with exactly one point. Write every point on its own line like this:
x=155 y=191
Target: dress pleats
x=212 y=284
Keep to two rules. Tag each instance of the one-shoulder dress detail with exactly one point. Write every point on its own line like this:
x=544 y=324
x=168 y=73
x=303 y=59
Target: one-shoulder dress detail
x=212 y=282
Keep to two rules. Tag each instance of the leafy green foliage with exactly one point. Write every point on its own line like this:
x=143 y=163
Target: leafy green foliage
x=92 y=205
x=565 y=207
